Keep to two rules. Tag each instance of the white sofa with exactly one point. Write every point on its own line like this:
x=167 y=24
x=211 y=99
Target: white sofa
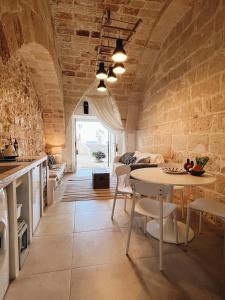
x=153 y=158
x=55 y=176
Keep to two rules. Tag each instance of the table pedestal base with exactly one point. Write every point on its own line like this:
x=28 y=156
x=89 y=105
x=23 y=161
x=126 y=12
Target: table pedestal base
x=168 y=231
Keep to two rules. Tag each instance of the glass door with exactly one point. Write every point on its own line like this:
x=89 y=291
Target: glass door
x=92 y=144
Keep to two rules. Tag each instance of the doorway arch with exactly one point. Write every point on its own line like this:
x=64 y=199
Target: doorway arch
x=26 y=32
x=107 y=117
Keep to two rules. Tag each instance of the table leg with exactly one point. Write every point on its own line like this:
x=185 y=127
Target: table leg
x=168 y=228
x=168 y=231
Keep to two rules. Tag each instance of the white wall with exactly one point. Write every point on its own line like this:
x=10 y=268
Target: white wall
x=67 y=153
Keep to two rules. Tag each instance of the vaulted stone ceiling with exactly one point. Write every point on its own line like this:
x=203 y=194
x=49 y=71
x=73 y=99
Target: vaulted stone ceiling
x=77 y=26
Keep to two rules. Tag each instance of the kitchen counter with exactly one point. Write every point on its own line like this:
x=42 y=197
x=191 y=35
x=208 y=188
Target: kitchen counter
x=14 y=169
x=23 y=181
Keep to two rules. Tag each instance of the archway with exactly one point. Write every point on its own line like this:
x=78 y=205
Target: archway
x=26 y=30
x=104 y=107
x=45 y=80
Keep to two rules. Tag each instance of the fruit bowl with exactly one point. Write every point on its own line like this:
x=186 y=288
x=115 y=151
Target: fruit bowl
x=197 y=173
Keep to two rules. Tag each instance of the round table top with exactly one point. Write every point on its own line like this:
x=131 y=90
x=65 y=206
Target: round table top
x=156 y=175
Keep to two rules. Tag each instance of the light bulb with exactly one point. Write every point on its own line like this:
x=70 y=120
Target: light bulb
x=111 y=75
x=119 y=54
x=101 y=87
x=119 y=68
x=101 y=73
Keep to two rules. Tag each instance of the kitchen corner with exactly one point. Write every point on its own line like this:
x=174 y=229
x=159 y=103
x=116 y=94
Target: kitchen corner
x=24 y=182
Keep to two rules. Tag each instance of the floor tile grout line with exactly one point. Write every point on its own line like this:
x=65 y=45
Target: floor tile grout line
x=22 y=277
x=70 y=284
x=47 y=216
x=73 y=247
x=129 y=257
x=51 y=235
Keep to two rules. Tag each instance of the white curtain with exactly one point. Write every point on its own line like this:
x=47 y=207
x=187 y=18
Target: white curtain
x=105 y=109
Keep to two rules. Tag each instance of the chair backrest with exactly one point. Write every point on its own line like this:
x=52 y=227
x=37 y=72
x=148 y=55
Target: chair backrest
x=123 y=175
x=150 y=189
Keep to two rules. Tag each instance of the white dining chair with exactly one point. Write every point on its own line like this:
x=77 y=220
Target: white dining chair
x=177 y=188
x=153 y=208
x=122 y=185
x=202 y=205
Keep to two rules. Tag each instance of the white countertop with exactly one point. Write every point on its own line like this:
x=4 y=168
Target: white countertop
x=20 y=169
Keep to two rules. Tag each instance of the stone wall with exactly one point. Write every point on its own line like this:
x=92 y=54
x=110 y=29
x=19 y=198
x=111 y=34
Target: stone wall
x=26 y=29
x=183 y=110
x=20 y=115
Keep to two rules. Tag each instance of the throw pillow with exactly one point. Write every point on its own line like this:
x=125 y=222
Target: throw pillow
x=146 y=160
x=130 y=160
x=51 y=161
x=125 y=157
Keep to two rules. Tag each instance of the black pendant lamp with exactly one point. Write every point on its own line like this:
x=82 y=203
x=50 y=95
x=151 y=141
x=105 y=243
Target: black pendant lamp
x=119 y=54
x=101 y=87
x=119 y=68
x=111 y=75
x=101 y=73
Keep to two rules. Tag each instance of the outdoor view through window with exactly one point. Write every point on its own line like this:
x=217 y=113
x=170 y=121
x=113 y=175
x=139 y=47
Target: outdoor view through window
x=92 y=140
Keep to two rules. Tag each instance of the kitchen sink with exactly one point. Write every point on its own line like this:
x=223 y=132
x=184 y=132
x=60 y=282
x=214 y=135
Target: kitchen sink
x=4 y=169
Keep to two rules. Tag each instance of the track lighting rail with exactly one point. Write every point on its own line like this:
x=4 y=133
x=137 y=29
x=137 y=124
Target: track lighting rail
x=118 y=28
x=109 y=59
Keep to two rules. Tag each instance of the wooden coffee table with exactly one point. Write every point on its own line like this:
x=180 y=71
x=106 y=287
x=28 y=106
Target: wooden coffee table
x=101 y=178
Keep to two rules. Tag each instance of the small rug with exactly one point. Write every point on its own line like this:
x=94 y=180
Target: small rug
x=80 y=189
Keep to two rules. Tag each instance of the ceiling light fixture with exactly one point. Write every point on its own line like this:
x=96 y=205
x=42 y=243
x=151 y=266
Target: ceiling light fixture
x=119 y=68
x=111 y=75
x=101 y=73
x=119 y=54
x=101 y=87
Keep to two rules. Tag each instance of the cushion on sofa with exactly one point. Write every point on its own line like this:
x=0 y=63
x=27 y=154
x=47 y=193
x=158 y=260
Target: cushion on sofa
x=127 y=158
x=51 y=161
x=140 y=156
x=153 y=158
x=157 y=158
x=146 y=160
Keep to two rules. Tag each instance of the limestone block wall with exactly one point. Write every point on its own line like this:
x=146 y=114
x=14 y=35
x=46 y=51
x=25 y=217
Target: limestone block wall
x=183 y=109
x=26 y=29
x=20 y=114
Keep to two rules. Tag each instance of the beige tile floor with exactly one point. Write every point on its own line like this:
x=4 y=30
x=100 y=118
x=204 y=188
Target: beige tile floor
x=78 y=254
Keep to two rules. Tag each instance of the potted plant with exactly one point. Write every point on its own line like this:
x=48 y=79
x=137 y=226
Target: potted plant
x=99 y=155
x=198 y=168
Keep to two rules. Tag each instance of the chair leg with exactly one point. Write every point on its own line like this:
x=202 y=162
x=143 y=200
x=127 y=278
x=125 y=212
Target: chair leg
x=145 y=224
x=200 y=222
x=114 y=204
x=182 y=203
x=125 y=203
x=175 y=226
x=161 y=235
x=130 y=226
x=187 y=225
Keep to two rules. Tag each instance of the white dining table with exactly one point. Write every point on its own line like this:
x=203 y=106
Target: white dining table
x=158 y=176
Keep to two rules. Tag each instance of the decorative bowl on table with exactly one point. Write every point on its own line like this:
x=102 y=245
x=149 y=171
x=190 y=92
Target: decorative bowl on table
x=196 y=173
x=170 y=170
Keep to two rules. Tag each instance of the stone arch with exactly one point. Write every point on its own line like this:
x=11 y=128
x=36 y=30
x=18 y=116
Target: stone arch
x=92 y=90
x=44 y=77
x=26 y=30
